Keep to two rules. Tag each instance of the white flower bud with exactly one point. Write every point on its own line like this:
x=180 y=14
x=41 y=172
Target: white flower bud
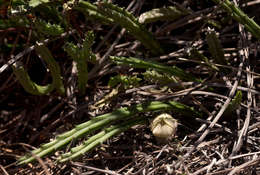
x=163 y=127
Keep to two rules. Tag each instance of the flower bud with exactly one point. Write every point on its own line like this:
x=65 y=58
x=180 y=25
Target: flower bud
x=163 y=127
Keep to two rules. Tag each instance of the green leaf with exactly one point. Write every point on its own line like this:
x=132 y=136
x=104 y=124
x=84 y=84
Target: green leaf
x=215 y=48
x=28 y=85
x=237 y=14
x=169 y=13
x=99 y=138
x=48 y=29
x=35 y=3
x=234 y=104
x=138 y=63
x=160 y=78
x=54 y=67
x=103 y=122
x=125 y=81
x=81 y=55
x=194 y=53
x=18 y=2
x=111 y=13
x=34 y=88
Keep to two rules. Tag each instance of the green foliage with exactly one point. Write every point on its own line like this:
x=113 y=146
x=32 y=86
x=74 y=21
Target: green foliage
x=196 y=54
x=169 y=13
x=49 y=12
x=103 y=122
x=92 y=12
x=214 y=23
x=81 y=55
x=114 y=14
x=15 y=21
x=125 y=81
x=234 y=104
x=32 y=87
x=99 y=138
x=138 y=63
x=215 y=48
x=54 y=67
x=48 y=29
x=35 y=3
x=49 y=21
x=28 y=85
x=158 y=78
x=19 y=7
x=237 y=14
x=18 y=3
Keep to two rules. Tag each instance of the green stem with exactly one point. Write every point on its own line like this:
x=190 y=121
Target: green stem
x=240 y=17
x=81 y=55
x=169 y=13
x=215 y=48
x=28 y=85
x=53 y=66
x=114 y=14
x=97 y=139
x=103 y=121
x=138 y=63
x=34 y=88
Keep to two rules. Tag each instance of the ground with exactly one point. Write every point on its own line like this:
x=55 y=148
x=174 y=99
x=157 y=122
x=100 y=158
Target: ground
x=223 y=140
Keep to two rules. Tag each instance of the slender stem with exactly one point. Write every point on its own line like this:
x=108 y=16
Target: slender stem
x=103 y=121
x=138 y=63
x=240 y=17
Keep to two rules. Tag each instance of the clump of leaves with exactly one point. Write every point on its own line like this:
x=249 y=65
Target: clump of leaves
x=124 y=81
x=46 y=28
x=158 y=78
x=139 y=63
x=81 y=55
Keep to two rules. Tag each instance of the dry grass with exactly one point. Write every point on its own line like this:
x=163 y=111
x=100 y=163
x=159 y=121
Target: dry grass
x=214 y=144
